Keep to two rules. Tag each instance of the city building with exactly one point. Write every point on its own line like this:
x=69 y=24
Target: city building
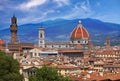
x=39 y=52
x=76 y=58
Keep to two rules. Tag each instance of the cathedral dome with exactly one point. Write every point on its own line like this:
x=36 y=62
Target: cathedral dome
x=79 y=32
x=2 y=42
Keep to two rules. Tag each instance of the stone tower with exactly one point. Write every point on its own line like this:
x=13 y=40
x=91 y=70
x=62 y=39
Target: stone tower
x=13 y=29
x=41 y=37
x=89 y=44
x=108 y=43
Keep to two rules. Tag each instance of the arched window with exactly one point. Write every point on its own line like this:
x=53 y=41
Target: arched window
x=41 y=42
x=52 y=46
x=35 y=54
x=59 y=46
x=78 y=41
x=41 y=35
x=66 y=46
x=72 y=41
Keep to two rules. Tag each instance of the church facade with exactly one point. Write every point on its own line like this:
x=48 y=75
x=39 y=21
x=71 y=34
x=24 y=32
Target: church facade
x=79 y=39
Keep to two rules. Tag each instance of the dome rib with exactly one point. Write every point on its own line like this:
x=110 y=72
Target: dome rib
x=79 y=32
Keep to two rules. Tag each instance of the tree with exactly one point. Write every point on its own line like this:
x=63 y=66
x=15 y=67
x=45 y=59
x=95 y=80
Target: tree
x=66 y=79
x=32 y=78
x=47 y=74
x=9 y=68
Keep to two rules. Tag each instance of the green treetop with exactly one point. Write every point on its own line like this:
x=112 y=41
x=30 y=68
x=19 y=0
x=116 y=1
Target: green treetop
x=47 y=74
x=9 y=68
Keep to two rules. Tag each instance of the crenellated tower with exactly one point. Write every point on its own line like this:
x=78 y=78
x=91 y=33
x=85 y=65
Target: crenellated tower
x=13 y=29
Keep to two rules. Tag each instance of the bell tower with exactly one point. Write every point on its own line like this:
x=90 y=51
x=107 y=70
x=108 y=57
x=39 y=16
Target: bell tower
x=89 y=44
x=13 y=29
x=108 y=43
x=41 y=37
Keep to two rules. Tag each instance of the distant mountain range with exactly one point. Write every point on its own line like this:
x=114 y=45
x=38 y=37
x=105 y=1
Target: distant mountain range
x=60 y=29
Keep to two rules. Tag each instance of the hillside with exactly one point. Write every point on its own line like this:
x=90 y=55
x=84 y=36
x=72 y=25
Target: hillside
x=60 y=29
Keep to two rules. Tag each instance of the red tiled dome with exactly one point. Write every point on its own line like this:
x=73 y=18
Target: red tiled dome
x=2 y=42
x=79 y=32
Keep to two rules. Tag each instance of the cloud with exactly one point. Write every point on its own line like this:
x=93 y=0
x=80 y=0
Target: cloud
x=61 y=3
x=31 y=4
x=80 y=10
x=3 y=4
x=85 y=6
x=2 y=1
x=98 y=4
x=43 y=16
x=35 y=18
x=1 y=8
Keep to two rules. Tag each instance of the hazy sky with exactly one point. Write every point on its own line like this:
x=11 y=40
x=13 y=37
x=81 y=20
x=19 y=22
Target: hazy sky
x=33 y=11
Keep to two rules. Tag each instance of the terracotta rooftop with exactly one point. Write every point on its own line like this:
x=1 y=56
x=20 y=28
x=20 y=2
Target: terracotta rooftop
x=70 y=50
x=66 y=67
x=79 y=32
x=56 y=43
x=2 y=42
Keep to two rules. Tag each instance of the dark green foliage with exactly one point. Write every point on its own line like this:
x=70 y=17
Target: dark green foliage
x=9 y=68
x=47 y=74
x=33 y=78
x=66 y=79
